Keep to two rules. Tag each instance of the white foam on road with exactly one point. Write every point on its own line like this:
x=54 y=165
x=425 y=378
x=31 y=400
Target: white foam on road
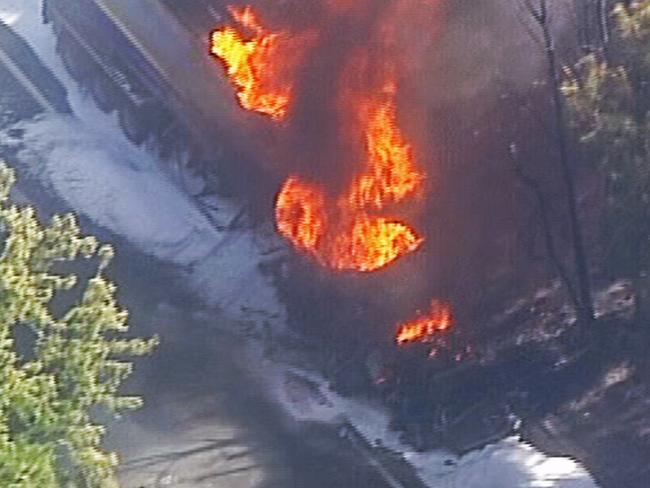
x=90 y=164
x=505 y=464
x=122 y=190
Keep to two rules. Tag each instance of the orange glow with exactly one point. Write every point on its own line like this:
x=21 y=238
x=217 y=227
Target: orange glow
x=300 y=214
x=250 y=63
x=347 y=8
x=344 y=234
x=350 y=231
x=372 y=243
x=425 y=327
x=392 y=174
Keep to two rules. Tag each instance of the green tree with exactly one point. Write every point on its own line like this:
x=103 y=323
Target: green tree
x=609 y=97
x=58 y=371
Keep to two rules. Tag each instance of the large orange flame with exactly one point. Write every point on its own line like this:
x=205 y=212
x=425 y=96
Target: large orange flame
x=350 y=232
x=346 y=235
x=425 y=327
x=250 y=63
x=391 y=175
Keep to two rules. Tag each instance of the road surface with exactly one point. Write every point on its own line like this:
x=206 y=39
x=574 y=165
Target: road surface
x=207 y=421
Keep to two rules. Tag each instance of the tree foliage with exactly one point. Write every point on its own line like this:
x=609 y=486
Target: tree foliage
x=57 y=369
x=609 y=97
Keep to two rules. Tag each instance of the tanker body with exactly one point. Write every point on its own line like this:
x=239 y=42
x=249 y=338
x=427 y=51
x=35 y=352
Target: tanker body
x=148 y=61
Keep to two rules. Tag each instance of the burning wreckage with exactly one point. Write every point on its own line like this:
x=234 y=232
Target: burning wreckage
x=319 y=115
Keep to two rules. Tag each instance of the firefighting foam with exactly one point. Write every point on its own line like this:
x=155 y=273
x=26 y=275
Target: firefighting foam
x=425 y=327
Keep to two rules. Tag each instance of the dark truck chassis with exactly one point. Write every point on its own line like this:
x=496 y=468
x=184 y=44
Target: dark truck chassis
x=168 y=94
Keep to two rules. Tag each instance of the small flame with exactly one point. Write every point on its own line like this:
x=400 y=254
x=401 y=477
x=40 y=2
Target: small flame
x=249 y=64
x=356 y=239
x=424 y=328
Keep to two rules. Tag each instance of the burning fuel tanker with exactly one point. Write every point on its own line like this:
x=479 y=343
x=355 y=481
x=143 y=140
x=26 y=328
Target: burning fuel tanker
x=365 y=225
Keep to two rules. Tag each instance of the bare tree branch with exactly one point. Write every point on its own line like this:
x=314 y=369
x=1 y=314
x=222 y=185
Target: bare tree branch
x=522 y=102
x=539 y=12
x=523 y=14
x=542 y=208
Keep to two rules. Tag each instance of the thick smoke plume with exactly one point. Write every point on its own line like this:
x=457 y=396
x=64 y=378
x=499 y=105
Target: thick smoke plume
x=457 y=65
x=351 y=45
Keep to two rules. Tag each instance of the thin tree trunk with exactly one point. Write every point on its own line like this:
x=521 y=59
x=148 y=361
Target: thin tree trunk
x=585 y=311
x=549 y=240
x=603 y=21
x=592 y=24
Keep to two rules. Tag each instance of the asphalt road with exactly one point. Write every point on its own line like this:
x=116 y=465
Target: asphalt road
x=206 y=421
